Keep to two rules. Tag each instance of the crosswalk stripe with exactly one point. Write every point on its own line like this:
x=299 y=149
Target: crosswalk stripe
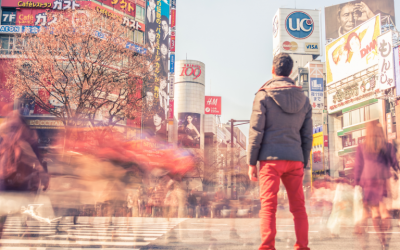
x=132 y=233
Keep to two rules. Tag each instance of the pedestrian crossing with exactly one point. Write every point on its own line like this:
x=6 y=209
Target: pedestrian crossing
x=89 y=232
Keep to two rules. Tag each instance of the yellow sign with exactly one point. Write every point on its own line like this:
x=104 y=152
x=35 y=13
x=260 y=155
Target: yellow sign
x=46 y=124
x=29 y=4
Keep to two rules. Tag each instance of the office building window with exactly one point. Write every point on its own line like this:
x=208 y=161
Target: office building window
x=140 y=13
x=139 y=37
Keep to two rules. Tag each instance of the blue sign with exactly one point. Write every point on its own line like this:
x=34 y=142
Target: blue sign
x=317 y=84
x=31 y=29
x=172 y=63
x=299 y=25
x=10 y=29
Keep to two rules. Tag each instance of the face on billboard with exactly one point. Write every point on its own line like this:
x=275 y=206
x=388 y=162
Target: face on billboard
x=353 y=52
x=189 y=130
x=341 y=18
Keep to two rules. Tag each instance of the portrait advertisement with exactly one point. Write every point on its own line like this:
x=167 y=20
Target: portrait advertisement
x=155 y=125
x=341 y=18
x=353 y=52
x=189 y=130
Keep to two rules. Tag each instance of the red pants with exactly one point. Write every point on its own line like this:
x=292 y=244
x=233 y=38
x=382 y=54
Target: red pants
x=291 y=173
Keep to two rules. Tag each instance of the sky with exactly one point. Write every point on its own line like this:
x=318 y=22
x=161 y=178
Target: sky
x=234 y=40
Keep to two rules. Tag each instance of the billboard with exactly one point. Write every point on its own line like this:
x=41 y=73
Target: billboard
x=296 y=31
x=189 y=130
x=353 y=52
x=341 y=18
x=386 y=64
x=316 y=88
x=212 y=105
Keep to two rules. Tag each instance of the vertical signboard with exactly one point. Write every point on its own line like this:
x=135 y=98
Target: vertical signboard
x=171 y=86
x=173 y=18
x=172 y=63
x=212 y=105
x=316 y=88
x=171 y=109
x=385 y=59
x=397 y=69
x=173 y=34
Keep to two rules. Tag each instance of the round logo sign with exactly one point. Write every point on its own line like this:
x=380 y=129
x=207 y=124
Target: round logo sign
x=275 y=26
x=290 y=46
x=299 y=25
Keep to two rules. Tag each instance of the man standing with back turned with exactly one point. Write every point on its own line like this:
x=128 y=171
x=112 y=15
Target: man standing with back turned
x=281 y=139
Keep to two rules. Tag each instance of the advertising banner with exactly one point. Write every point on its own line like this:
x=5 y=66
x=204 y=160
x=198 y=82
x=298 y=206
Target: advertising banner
x=397 y=69
x=157 y=44
x=173 y=4
x=296 y=31
x=172 y=63
x=171 y=109
x=171 y=86
x=173 y=19
x=317 y=159
x=342 y=18
x=386 y=64
x=353 y=52
x=316 y=88
x=189 y=130
x=213 y=105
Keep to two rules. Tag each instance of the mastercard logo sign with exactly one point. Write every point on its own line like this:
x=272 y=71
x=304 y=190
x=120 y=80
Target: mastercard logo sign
x=292 y=46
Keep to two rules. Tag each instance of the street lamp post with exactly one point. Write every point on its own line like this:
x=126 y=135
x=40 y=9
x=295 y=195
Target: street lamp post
x=241 y=122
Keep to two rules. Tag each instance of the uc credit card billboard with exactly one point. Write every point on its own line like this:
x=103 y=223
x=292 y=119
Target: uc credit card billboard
x=353 y=52
x=296 y=31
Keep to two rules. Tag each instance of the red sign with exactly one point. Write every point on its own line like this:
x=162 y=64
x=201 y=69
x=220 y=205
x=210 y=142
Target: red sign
x=326 y=142
x=213 y=105
x=172 y=44
x=173 y=18
x=171 y=109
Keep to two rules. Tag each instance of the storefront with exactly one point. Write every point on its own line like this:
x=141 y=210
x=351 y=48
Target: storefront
x=352 y=103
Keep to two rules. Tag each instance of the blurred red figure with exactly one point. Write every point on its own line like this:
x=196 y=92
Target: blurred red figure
x=374 y=158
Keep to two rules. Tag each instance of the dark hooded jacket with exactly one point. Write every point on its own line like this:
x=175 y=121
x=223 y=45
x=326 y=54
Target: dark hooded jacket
x=280 y=123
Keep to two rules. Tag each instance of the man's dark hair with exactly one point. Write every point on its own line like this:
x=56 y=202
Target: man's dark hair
x=164 y=18
x=283 y=64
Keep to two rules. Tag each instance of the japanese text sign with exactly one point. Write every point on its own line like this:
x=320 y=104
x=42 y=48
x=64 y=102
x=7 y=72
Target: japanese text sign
x=316 y=94
x=386 y=64
x=213 y=105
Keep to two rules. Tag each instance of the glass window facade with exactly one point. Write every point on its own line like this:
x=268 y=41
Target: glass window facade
x=361 y=115
x=139 y=37
x=140 y=13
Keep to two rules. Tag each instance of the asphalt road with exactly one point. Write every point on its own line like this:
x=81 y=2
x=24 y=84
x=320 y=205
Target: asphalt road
x=180 y=234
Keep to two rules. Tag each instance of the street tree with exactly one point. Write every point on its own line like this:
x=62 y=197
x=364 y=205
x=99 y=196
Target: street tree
x=83 y=69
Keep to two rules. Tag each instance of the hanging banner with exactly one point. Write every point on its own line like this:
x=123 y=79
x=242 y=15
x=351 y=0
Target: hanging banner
x=385 y=58
x=397 y=69
x=173 y=19
x=173 y=4
x=172 y=63
x=316 y=88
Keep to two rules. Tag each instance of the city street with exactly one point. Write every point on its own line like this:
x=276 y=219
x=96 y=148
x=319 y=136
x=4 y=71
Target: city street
x=161 y=233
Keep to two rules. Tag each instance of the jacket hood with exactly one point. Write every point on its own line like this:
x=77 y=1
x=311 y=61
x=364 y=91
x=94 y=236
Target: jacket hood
x=286 y=94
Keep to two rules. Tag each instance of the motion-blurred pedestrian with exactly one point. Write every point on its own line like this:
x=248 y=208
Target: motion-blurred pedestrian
x=374 y=160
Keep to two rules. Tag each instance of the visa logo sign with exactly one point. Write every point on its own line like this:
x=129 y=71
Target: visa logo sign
x=312 y=47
